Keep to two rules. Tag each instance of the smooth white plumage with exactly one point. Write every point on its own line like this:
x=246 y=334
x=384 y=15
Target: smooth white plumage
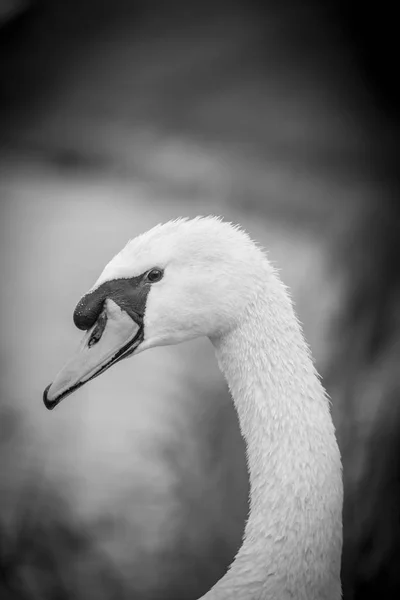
x=218 y=283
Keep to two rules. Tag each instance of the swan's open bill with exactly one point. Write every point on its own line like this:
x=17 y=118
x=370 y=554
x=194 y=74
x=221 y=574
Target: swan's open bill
x=114 y=335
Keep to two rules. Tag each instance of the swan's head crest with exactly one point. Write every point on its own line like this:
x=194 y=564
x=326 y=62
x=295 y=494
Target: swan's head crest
x=180 y=280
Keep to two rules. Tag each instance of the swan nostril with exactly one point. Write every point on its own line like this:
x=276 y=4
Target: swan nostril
x=98 y=330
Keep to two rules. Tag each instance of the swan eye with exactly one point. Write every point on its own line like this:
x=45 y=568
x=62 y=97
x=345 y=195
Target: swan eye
x=154 y=275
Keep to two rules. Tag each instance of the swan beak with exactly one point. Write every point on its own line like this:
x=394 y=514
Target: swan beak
x=114 y=336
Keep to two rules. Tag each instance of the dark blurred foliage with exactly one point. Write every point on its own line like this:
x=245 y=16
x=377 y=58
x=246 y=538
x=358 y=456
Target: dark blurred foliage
x=41 y=545
x=364 y=365
x=368 y=330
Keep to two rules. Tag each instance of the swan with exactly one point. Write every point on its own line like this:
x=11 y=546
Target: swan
x=206 y=277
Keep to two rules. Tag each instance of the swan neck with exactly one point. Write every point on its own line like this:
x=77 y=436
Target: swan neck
x=292 y=540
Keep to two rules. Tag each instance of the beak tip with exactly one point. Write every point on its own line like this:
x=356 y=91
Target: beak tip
x=49 y=404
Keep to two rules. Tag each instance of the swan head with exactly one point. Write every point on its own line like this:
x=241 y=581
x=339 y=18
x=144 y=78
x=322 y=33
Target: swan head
x=180 y=280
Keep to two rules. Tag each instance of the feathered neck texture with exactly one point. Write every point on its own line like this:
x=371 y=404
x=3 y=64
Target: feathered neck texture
x=293 y=537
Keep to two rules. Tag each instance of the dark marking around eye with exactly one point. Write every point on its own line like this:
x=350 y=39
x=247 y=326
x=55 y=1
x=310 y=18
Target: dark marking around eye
x=130 y=295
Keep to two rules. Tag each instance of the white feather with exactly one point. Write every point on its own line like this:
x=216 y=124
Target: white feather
x=219 y=283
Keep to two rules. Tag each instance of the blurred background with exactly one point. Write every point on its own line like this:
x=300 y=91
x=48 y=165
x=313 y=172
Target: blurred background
x=114 y=116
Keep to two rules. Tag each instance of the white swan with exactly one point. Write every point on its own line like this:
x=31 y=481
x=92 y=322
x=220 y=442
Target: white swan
x=189 y=278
